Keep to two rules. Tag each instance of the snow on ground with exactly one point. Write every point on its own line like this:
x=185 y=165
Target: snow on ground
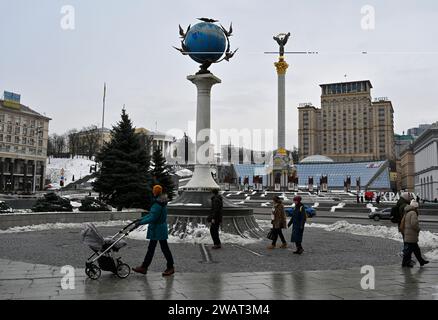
x=79 y=167
x=339 y=206
x=427 y=239
x=200 y=234
x=196 y=235
x=371 y=207
x=57 y=226
x=183 y=173
x=75 y=204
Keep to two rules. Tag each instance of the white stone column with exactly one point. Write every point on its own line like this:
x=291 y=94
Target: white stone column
x=202 y=179
x=281 y=111
x=281 y=67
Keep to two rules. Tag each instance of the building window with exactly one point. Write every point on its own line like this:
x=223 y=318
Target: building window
x=17 y=130
x=8 y=139
x=17 y=140
x=9 y=128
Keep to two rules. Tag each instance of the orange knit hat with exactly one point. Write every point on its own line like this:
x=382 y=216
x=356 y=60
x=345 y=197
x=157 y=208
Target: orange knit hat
x=157 y=189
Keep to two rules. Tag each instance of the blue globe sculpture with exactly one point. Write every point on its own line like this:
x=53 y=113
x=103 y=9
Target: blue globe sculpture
x=205 y=42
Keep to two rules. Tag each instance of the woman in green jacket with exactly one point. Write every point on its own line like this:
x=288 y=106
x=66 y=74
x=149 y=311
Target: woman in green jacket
x=157 y=232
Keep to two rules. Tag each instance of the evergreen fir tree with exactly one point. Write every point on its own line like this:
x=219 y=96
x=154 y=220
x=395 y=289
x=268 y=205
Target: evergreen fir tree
x=160 y=174
x=124 y=178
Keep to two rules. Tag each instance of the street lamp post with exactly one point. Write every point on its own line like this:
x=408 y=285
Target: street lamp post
x=39 y=129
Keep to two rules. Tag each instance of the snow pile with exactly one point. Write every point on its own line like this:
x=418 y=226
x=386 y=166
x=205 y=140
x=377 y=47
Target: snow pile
x=75 y=204
x=184 y=173
x=266 y=204
x=285 y=198
x=339 y=206
x=427 y=239
x=58 y=226
x=78 y=167
x=186 y=204
x=196 y=234
x=371 y=207
x=316 y=205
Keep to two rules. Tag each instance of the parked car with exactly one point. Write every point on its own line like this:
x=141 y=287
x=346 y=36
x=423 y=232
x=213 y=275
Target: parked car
x=382 y=214
x=52 y=187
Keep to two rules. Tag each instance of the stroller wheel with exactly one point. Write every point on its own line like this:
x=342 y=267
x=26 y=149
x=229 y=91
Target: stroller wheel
x=123 y=270
x=93 y=272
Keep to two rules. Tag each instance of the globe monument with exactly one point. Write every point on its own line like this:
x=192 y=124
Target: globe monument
x=206 y=43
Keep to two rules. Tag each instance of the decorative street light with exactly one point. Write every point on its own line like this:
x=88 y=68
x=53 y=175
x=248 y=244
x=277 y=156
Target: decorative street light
x=39 y=130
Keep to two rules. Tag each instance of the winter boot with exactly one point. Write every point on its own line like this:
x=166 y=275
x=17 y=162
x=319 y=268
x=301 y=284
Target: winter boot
x=140 y=269
x=168 y=272
x=423 y=263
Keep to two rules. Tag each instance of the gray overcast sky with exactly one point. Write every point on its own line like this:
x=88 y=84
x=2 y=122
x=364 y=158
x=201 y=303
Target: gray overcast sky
x=128 y=44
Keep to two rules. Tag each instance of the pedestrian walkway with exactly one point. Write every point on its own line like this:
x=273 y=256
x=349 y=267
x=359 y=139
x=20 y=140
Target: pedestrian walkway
x=20 y=280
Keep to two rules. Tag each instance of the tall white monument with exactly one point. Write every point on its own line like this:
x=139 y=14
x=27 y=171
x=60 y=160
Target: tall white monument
x=202 y=179
x=206 y=43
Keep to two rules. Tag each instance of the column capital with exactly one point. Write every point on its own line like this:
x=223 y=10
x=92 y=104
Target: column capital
x=281 y=66
x=206 y=79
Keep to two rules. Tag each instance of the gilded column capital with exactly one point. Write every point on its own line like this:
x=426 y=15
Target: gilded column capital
x=281 y=66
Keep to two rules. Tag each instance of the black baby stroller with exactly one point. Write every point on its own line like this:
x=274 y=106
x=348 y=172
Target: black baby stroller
x=103 y=251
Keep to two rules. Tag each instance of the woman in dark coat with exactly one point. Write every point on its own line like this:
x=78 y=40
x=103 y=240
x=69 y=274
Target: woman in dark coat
x=278 y=222
x=298 y=221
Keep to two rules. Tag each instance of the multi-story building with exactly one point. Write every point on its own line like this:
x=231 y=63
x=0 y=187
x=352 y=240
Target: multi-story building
x=407 y=170
x=158 y=139
x=416 y=132
x=401 y=143
x=23 y=146
x=89 y=141
x=425 y=150
x=349 y=126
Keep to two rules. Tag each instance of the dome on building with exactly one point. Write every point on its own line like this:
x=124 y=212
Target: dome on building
x=317 y=159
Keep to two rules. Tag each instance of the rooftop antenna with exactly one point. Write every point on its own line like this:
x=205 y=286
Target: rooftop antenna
x=345 y=76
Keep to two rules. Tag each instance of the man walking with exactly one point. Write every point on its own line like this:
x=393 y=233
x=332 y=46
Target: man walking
x=216 y=218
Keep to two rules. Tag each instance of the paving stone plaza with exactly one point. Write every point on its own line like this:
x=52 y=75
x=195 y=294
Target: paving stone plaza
x=330 y=269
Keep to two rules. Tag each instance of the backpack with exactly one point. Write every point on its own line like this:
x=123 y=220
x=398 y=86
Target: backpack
x=310 y=211
x=395 y=215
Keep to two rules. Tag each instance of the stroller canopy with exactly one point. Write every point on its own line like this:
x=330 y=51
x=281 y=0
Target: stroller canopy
x=92 y=238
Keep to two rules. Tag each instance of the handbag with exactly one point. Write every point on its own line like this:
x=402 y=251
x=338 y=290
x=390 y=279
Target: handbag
x=270 y=234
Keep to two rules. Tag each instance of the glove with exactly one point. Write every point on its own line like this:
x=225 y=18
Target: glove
x=137 y=223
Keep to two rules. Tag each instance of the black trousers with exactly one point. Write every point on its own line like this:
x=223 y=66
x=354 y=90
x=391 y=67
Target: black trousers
x=410 y=248
x=214 y=231
x=151 y=251
x=278 y=233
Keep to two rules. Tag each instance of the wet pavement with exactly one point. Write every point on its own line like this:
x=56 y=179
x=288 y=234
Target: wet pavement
x=27 y=281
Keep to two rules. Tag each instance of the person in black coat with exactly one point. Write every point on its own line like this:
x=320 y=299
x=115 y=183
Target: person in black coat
x=216 y=218
x=298 y=221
